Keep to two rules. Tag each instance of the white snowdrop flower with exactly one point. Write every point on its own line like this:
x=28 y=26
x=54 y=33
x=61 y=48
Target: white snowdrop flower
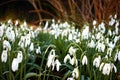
x=94 y=22
x=22 y=42
x=109 y=32
x=31 y=47
x=7 y=45
x=9 y=21
x=91 y=44
x=15 y=64
x=16 y=22
x=51 y=58
x=116 y=39
x=4 y=56
x=101 y=66
x=112 y=44
x=98 y=35
x=119 y=55
x=109 y=51
x=75 y=73
x=70 y=78
x=84 y=60
x=74 y=61
x=107 y=41
x=58 y=64
x=112 y=22
x=102 y=27
x=70 y=37
x=116 y=57
x=27 y=40
x=46 y=25
x=72 y=50
x=67 y=58
x=38 y=50
x=96 y=61
x=20 y=57
x=10 y=34
x=114 y=68
x=100 y=46
x=53 y=65
x=116 y=28
x=85 y=33
x=106 y=69
x=1 y=31
x=77 y=40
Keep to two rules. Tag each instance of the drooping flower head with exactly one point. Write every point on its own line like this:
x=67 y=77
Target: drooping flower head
x=84 y=60
x=15 y=64
x=4 y=56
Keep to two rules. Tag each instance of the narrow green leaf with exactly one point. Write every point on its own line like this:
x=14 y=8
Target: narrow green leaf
x=28 y=75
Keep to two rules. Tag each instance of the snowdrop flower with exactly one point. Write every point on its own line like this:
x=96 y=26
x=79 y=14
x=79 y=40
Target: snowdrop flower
x=85 y=33
x=70 y=37
x=46 y=25
x=112 y=44
x=58 y=64
x=91 y=44
x=67 y=58
x=22 y=42
x=107 y=41
x=38 y=50
x=75 y=73
x=72 y=50
x=94 y=22
x=15 y=64
x=109 y=32
x=116 y=27
x=106 y=69
x=102 y=27
x=20 y=57
x=10 y=34
x=119 y=55
x=70 y=78
x=96 y=61
x=116 y=39
x=1 y=31
x=7 y=45
x=100 y=46
x=109 y=51
x=31 y=47
x=84 y=60
x=27 y=40
x=114 y=67
x=116 y=56
x=4 y=56
x=101 y=66
x=98 y=35
x=51 y=58
x=74 y=61
x=112 y=22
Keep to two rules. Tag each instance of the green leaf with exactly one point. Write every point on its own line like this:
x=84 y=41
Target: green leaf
x=66 y=75
x=28 y=75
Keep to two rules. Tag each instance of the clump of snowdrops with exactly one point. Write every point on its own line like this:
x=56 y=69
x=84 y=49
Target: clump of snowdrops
x=59 y=51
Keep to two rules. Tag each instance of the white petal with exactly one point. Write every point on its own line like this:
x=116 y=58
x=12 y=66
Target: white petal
x=19 y=56
x=58 y=64
x=67 y=58
x=4 y=56
x=15 y=64
x=84 y=60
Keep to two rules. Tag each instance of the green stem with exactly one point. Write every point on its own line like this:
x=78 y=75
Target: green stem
x=21 y=72
x=9 y=65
